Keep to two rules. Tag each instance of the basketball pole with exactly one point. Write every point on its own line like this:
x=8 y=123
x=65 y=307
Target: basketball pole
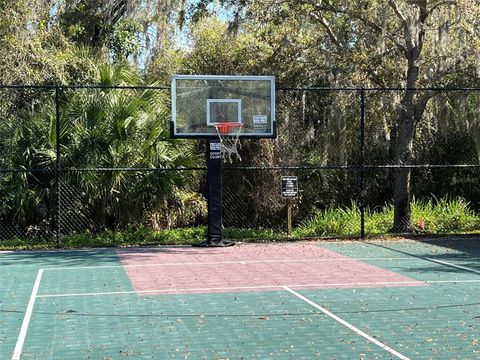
x=213 y=155
x=214 y=181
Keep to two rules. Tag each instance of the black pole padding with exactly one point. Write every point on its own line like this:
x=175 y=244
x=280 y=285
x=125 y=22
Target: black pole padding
x=214 y=182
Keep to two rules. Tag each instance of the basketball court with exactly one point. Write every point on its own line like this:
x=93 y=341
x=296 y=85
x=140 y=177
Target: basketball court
x=329 y=300
x=397 y=299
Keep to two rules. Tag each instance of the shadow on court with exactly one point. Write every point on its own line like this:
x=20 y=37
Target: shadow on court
x=94 y=257
x=444 y=255
x=465 y=246
x=59 y=257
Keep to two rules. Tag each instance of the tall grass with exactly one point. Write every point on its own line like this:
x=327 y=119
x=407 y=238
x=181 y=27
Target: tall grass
x=331 y=222
x=439 y=216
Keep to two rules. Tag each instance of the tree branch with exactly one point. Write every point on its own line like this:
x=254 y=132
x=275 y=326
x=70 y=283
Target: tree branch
x=329 y=8
x=406 y=29
x=440 y=74
x=330 y=32
x=397 y=11
x=439 y=4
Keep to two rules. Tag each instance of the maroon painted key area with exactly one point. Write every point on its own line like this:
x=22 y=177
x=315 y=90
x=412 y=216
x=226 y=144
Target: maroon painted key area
x=184 y=270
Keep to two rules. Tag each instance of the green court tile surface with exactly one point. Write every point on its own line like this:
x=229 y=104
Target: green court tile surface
x=18 y=272
x=78 y=280
x=86 y=309
x=439 y=249
x=15 y=288
x=427 y=261
x=438 y=322
x=269 y=325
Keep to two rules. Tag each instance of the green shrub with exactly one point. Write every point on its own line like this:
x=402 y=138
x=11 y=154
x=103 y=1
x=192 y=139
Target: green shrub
x=444 y=216
x=331 y=222
x=136 y=236
x=436 y=216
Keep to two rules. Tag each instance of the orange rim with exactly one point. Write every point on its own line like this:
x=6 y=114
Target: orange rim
x=227 y=127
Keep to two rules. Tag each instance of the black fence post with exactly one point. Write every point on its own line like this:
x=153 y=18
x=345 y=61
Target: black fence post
x=58 y=228
x=362 y=162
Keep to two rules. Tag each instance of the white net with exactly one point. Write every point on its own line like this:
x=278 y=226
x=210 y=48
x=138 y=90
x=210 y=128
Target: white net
x=229 y=139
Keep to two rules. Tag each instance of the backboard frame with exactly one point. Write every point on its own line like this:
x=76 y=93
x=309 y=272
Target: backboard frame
x=266 y=135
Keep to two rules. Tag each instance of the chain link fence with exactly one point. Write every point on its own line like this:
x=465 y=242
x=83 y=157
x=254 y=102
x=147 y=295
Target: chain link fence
x=87 y=159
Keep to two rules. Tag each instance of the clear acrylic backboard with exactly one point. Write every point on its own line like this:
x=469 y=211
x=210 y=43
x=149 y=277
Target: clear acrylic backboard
x=201 y=101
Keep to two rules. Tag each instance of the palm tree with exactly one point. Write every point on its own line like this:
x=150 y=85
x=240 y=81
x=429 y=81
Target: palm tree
x=103 y=128
x=121 y=128
x=26 y=155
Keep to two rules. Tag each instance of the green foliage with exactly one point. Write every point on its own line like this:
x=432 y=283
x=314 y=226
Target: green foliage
x=444 y=216
x=213 y=50
x=106 y=129
x=123 y=39
x=111 y=129
x=333 y=43
x=331 y=222
x=438 y=216
x=141 y=236
x=170 y=61
x=82 y=21
x=136 y=236
x=33 y=50
x=98 y=25
x=253 y=235
x=132 y=236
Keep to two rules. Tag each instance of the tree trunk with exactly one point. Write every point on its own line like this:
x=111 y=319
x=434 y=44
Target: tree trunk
x=404 y=157
x=402 y=221
x=411 y=111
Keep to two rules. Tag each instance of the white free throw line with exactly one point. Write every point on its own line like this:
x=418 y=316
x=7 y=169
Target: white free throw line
x=223 y=262
x=254 y=287
x=26 y=320
x=344 y=323
x=395 y=283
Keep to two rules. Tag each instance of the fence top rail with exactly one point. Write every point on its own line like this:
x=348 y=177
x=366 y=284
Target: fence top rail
x=165 y=87
x=439 y=89
x=83 y=86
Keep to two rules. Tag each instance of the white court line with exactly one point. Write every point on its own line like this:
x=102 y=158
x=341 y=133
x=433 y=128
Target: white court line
x=161 y=291
x=348 y=325
x=222 y=262
x=259 y=287
x=452 y=281
x=26 y=320
x=454 y=265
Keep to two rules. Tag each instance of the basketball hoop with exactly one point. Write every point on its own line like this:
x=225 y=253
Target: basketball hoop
x=229 y=133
